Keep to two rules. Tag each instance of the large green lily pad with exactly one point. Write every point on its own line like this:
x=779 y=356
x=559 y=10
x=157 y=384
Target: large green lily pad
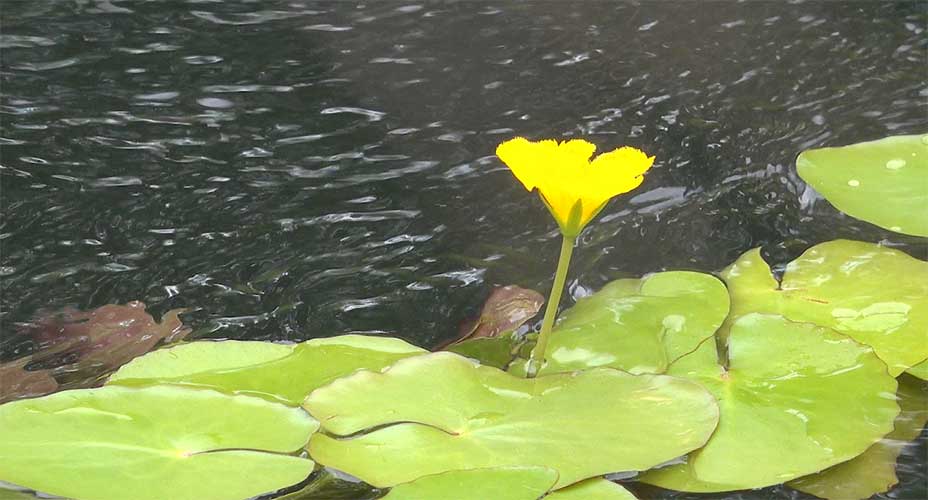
x=440 y=412
x=499 y=483
x=920 y=370
x=282 y=373
x=152 y=444
x=875 y=470
x=640 y=326
x=884 y=182
x=592 y=489
x=876 y=295
x=795 y=399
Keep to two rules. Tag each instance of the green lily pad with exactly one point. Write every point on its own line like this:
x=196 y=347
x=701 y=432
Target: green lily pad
x=592 y=489
x=875 y=470
x=640 y=326
x=876 y=295
x=157 y=443
x=884 y=182
x=498 y=483
x=440 y=412
x=325 y=485
x=795 y=399
x=497 y=352
x=6 y=494
x=281 y=373
x=920 y=370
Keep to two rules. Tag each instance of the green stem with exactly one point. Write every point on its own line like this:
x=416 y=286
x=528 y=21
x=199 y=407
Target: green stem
x=537 y=359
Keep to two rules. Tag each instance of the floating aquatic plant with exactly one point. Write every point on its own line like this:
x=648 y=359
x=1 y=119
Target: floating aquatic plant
x=575 y=190
x=884 y=182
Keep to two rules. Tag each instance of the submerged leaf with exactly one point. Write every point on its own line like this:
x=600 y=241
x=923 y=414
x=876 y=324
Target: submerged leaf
x=17 y=383
x=640 y=326
x=795 y=399
x=80 y=346
x=282 y=373
x=875 y=470
x=441 y=412
x=884 y=182
x=157 y=443
x=876 y=295
x=505 y=310
x=498 y=483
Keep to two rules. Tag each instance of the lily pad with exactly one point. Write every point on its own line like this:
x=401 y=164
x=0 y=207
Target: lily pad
x=497 y=352
x=875 y=470
x=920 y=370
x=499 y=483
x=592 y=489
x=441 y=412
x=876 y=295
x=157 y=443
x=884 y=182
x=795 y=399
x=640 y=326
x=281 y=373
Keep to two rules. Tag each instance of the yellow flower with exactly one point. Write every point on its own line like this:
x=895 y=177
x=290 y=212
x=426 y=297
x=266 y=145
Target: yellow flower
x=574 y=188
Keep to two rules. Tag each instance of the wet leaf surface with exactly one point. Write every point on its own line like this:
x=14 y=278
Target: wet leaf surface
x=882 y=182
x=157 y=443
x=497 y=352
x=441 y=412
x=592 y=489
x=876 y=295
x=499 y=483
x=874 y=471
x=795 y=399
x=640 y=326
x=285 y=373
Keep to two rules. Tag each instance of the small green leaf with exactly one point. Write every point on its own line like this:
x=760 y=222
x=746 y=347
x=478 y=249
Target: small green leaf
x=882 y=182
x=592 y=489
x=281 y=373
x=440 y=412
x=497 y=352
x=640 y=326
x=498 y=483
x=795 y=399
x=158 y=443
x=876 y=295
x=875 y=470
x=920 y=370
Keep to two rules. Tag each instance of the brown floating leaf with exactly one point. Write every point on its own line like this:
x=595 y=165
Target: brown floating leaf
x=506 y=309
x=17 y=383
x=77 y=348
x=105 y=338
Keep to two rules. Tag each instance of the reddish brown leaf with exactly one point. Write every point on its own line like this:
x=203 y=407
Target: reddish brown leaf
x=79 y=346
x=506 y=309
x=17 y=383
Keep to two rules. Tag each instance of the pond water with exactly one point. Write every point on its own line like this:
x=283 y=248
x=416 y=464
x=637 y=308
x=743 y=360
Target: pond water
x=292 y=169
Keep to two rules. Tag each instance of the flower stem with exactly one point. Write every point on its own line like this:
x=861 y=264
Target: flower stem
x=537 y=358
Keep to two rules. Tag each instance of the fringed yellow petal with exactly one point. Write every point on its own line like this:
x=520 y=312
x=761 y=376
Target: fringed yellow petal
x=623 y=163
x=564 y=175
x=577 y=149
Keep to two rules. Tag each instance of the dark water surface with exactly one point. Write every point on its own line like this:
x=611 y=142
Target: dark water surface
x=295 y=169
